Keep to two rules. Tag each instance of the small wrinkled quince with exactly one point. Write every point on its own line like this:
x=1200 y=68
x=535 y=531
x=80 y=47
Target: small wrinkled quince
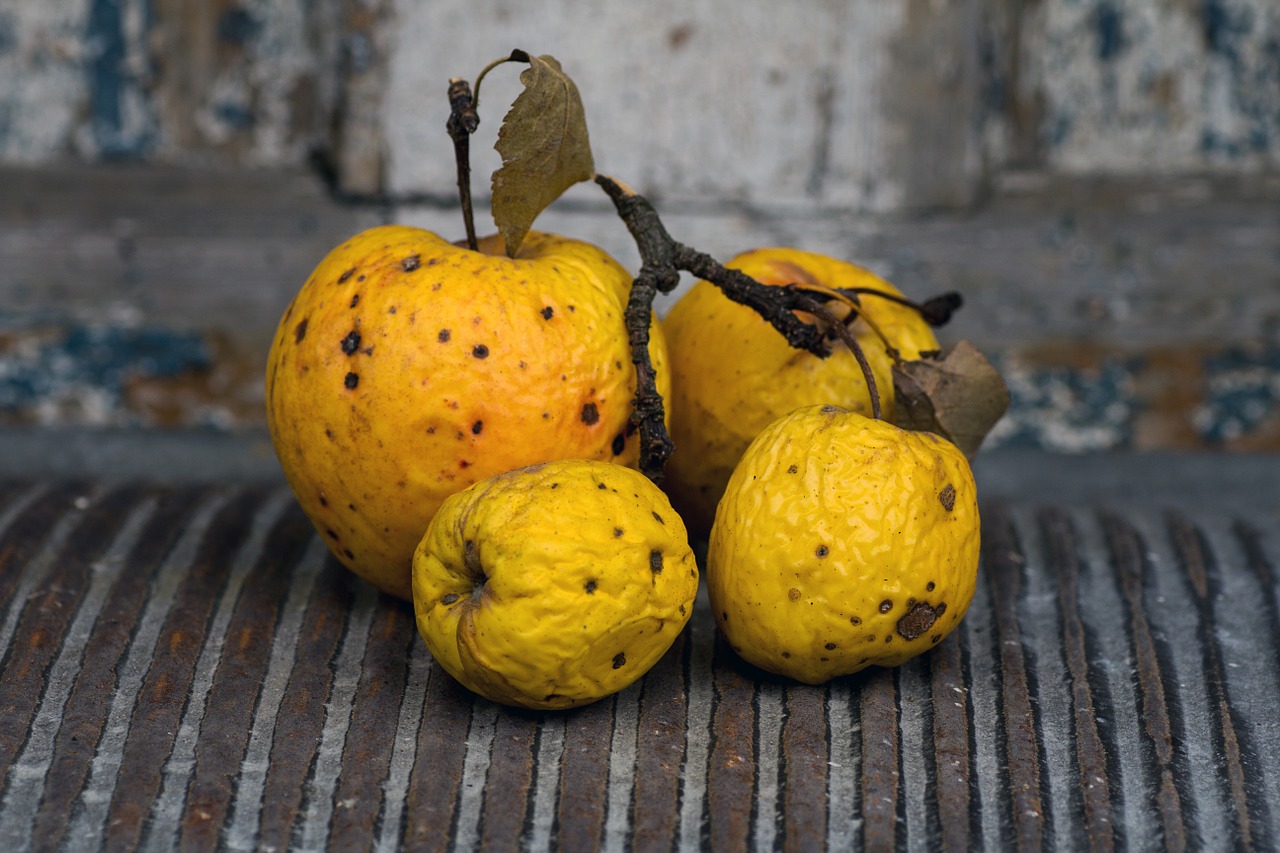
x=842 y=542
x=553 y=585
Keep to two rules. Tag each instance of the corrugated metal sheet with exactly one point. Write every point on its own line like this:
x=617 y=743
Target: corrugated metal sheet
x=184 y=666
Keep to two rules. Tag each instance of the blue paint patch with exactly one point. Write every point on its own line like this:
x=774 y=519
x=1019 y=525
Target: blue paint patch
x=1242 y=392
x=1067 y=410
x=1108 y=25
x=108 y=82
x=238 y=26
x=81 y=362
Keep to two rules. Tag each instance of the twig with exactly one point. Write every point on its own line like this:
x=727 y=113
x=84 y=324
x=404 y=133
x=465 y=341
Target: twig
x=463 y=121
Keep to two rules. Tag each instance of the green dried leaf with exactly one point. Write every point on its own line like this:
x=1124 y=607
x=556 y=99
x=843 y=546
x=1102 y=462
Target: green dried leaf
x=544 y=147
x=960 y=396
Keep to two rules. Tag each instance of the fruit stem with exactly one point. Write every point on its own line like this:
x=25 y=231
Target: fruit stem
x=662 y=259
x=855 y=311
x=817 y=309
x=463 y=121
x=935 y=311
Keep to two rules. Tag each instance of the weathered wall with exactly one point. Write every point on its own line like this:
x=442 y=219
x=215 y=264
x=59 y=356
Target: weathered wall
x=859 y=104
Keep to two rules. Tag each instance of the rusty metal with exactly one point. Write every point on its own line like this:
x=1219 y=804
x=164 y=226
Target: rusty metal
x=185 y=666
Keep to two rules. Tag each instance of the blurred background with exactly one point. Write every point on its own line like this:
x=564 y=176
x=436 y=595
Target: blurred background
x=1099 y=178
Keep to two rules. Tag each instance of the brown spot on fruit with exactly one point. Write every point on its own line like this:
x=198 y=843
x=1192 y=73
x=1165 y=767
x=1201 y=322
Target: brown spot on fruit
x=355 y=300
x=342 y=279
x=617 y=532
x=547 y=312
x=450 y=598
x=793 y=469
x=929 y=586
x=480 y=351
x=822 y=551
x=948 y=497
x=351 y=380
x=329 y=532
x=619 y=444
x=300 y=331
x=619 y=660
x=655 y=561
x=411 y=263
x=590 y=414
x=656 y=517
x=590 y=586
x=793 y=594
x=351 y=342
x=918 y=620
x=349 y=555
x=477 y=427
x=886 y=605
x=855 y=620
x=323 y=500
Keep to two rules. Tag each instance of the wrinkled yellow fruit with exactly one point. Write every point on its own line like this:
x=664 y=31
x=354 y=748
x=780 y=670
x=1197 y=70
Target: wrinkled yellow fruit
x=842 y=542
x=408 y=368
x=554 y=585
x=733 y=374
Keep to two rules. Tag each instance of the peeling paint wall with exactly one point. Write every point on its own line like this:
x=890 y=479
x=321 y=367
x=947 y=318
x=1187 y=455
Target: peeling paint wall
x=240 y=83
x=878 y=105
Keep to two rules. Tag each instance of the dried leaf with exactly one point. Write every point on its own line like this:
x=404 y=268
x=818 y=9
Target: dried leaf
x=959 y=396
x=544 y=147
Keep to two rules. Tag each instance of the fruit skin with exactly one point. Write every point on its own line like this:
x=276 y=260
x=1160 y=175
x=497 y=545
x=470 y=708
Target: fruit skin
x=408 y=368
x=842 y=542
x=733 y=374
x=554 y=585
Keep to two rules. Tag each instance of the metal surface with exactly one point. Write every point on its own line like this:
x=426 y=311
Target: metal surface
x=183 y=666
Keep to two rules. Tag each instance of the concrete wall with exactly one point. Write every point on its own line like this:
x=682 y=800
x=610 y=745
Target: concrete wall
x=875 y=105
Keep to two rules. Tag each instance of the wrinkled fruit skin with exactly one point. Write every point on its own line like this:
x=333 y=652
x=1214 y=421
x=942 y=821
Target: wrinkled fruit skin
x=842 y=542
x=733 y=374
x=554 y=585
x=408 y=368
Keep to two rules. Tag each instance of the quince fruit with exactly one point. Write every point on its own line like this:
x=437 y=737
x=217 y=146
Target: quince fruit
x=408 y=368
x=842 y=542
x=733 y=374
x=553 y=585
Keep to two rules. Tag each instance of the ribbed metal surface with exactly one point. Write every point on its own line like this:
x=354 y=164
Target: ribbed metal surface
x=185 y=667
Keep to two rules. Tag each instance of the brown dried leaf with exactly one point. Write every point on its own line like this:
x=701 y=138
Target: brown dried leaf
x=544 y=147
x=959 y=396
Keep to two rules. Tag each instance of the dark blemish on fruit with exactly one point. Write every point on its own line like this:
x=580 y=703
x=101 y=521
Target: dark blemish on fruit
x=919 y=619
x=871 y=639
x=619 y=660
x=323 y=500
x=547 y=312
x=617 y=532
x=793 y=469
x=656 y=517
x=786 y=654
x=935 y=638
x=619 y=444
x=431 y=430
x=590 y=586
x=555 y=485
x=886 y=605
x=328 y=434
x=683 y=610
x=462 y=463
x=855 y=620
x=329 y=532
x=391 y=310
x=351 y=380
x=450 y=598
x=940 y=609
x=830 y=647
x=911 y=602
x=793 y=594
x=355 y=300
x=724 y=616
x=443 y=337
x=571 y=308
x=929 y=586
x=411 y=263
x=948 y=497
x=360 y=277
x=477 y=427
x=300 y=331
x=829 y=410
x=655 y=561
x=601 y=486
x=347 y=552
x=888 y=638
x=351 y=507
x=458 y=435
x=342 y=279
x=590 y=414
x=351 y=343
x=480 y=351
x=822 y=551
